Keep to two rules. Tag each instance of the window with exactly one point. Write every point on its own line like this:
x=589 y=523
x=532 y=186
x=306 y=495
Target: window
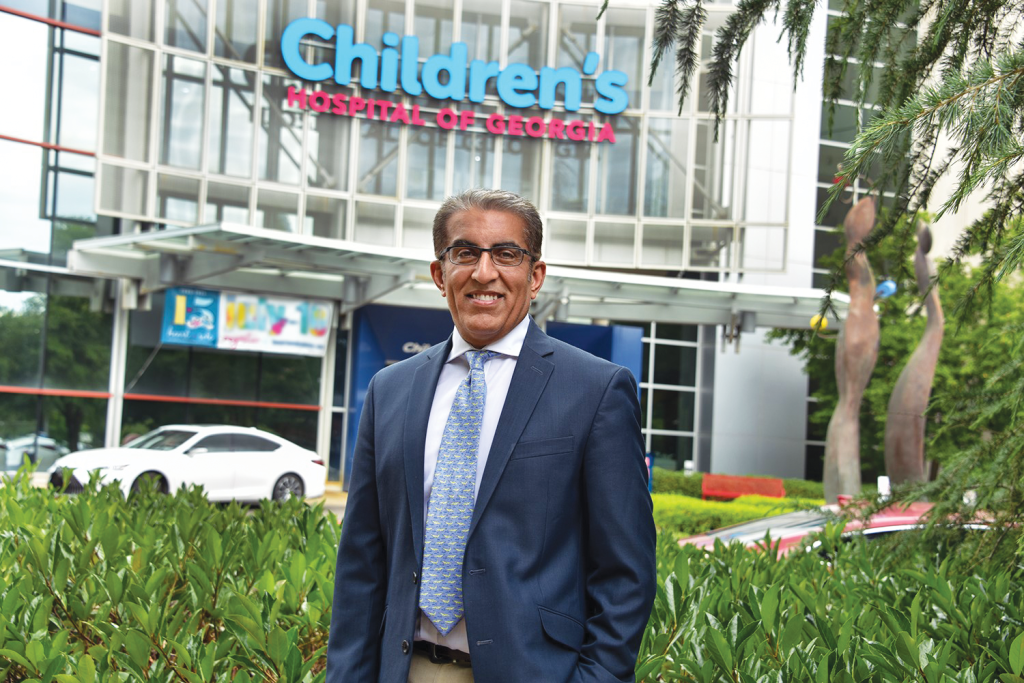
x=570 y=176
x=232 y=100
x=565 y=241
x=177 y=198
x=520 y=165
x=328 y=150
x=235 y=37
x=130 y=18
x=325 y=217
x=165 y=440
x=127 y=114
x=577 y=36
x=427 y=161
x=528 y=32
x=280 y=134
x=481 y=29
x=185 y=24
x=279 y=13
x=668 y=392
x=433 y=22
x=378 y=158
x=624 y=49
x=618 y=167
x=667 y=152
x=227 y=203
x=248 y=442
x=218 y=443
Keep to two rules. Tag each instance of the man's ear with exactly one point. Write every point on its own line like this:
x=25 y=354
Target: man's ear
x=437 y=273
x=538 y=271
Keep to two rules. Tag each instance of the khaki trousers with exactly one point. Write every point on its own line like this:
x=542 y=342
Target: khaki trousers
x=425 y=671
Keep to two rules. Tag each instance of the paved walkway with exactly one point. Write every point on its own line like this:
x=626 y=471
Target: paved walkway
x=335 y=499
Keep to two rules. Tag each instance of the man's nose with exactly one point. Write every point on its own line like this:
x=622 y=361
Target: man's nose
x=485 y=270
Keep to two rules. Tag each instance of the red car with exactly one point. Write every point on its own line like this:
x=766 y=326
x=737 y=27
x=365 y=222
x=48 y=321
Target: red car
x=789 y=530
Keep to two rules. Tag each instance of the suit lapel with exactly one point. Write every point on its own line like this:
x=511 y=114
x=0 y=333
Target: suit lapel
x=528 y=381
x=421 y=397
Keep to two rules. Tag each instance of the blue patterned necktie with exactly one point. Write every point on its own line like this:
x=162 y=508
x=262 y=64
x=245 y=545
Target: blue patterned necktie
x=452 y=497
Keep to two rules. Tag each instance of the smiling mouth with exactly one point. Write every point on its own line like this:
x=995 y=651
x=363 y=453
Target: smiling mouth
x=485 y=297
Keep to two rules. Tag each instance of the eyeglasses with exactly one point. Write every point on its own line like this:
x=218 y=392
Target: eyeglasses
x=463 y=255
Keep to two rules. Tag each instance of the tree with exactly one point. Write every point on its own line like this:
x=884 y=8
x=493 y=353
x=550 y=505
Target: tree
x=77 y=357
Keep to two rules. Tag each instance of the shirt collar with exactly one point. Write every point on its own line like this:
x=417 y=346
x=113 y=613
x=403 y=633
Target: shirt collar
x=509 y=345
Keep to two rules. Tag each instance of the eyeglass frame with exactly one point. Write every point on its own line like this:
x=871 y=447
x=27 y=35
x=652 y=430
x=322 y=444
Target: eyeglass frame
x=524 y=252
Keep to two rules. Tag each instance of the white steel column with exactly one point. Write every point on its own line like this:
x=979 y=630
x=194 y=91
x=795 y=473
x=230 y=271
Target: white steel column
x=345 y=327
x=323 y=424
x=118 y=359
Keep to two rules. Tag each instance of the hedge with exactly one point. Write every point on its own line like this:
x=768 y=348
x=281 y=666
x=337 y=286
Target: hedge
x=674 y=481
x=686 y=516
x=173 y=588
x=855 y=612
x=98 y=588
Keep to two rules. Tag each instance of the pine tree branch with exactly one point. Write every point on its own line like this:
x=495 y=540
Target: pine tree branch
x=729 y=41
x=940 y=106
x=666 y=26
x=687 y=55
x=796 y=21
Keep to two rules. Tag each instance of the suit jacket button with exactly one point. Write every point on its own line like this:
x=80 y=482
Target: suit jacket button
x=415 y=577
x=405 y=647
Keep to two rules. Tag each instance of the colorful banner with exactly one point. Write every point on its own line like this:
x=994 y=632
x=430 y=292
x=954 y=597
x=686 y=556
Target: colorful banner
x=246 y=322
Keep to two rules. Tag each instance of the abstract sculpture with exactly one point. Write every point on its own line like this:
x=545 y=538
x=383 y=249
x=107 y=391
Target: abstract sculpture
x=856 y=352
x=904 y=425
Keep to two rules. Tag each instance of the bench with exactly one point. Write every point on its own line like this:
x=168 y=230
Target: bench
x=728 y=487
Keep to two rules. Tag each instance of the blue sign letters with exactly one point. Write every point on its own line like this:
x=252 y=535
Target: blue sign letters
x=518 y=84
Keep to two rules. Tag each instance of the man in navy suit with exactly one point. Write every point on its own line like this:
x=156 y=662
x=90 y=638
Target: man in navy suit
x=498 y=525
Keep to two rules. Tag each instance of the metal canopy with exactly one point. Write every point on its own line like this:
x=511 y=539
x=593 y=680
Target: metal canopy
x=238 y=257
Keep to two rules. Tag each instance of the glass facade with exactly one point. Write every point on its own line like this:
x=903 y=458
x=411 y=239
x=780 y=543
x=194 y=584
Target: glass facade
x=193 y=118
x=668 y=392
x=209 y=106
x=176 y=113
x=55 y=332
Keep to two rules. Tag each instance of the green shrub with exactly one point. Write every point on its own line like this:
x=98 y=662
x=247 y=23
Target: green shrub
x=686 y=516
x=671 y=481
x=174 y=588
x=802 y=488
x=96 y=587
x=857 y=612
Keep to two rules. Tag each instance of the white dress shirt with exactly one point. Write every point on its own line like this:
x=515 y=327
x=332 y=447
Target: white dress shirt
x=498 y=375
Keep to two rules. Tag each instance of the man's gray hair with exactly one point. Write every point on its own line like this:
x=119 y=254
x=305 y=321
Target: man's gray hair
x=490 y=200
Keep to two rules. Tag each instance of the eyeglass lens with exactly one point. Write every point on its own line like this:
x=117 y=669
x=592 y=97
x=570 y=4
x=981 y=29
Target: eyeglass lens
x=503 y=256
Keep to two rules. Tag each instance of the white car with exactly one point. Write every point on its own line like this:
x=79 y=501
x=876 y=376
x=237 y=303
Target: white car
x=231 y=463
x=42 y=450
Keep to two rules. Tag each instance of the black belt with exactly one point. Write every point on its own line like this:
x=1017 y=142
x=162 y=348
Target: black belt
x=439 y=654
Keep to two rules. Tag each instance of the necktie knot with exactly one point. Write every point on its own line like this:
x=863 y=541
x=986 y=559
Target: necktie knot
x=478 y=358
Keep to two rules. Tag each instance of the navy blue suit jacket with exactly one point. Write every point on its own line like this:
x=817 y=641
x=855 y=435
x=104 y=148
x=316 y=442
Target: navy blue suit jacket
x=559 y=572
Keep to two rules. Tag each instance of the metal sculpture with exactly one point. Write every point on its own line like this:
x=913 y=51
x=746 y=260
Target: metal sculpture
x=856 y=352
x=905 y=422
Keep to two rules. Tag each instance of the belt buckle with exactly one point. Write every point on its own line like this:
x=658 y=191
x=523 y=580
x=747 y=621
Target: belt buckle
x=436 y=658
